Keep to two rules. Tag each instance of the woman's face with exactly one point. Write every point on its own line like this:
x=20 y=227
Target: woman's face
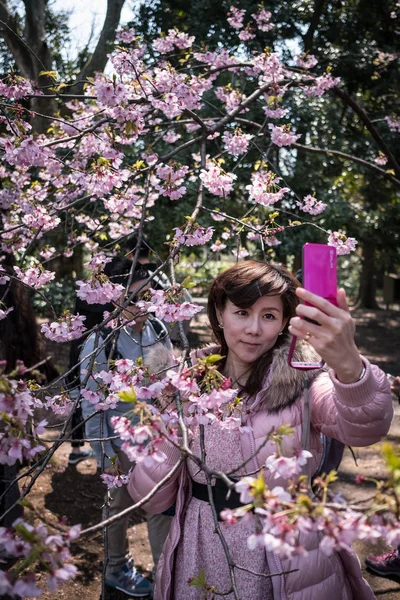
x=251 y=332
x=131 y=311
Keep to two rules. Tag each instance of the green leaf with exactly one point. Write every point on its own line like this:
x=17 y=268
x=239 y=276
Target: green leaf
x=199 y=581
x=127 y=395
x=52 y=74
x=213 y=358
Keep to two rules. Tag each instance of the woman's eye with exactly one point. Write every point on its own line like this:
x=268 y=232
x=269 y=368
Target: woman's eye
x=241 y=312
x=269 y=316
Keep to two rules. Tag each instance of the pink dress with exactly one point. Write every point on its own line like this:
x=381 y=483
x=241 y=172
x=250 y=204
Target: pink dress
x=200 y=547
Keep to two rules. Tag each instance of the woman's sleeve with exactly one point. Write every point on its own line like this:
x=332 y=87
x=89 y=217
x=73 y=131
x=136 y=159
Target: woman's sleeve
x=357 y=414
x=144 y=478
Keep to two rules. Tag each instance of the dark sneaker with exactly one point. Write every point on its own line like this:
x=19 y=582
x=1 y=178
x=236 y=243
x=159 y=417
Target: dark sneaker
x=385 y=565
x=129 y=581
x=76 y=457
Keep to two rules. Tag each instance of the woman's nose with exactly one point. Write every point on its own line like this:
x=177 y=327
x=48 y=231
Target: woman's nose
x=253 y=326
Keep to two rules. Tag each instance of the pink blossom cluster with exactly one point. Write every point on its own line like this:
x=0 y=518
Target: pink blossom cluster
x=99 y=290
x=262 y=18
x=236 y=143
x=60 y=404
x=231 y=98
x=282 y=136
x=216 y=59
x=35 y=545
x=126 y=35
x=218 y=246
x=141 y=442
x=69 y=327
x=306 y=61
x=342 y=243
x=321 y=85
x=177 y=92
x=18 y=403
x=97 y=262
x=209 y=402
x=216 y=181
x=246 y=34
x=311 y=205
x=114 y=481
x=275 y=113
x=235 y=17
x=195 y=237
x=16 y=87
x=35 y=277
x=167 y=310
x=264 y=188
x=174 y=39
x=40 y=221
x=394 y=124
x=381 y=159
x=110 y=93
x=287 y=467
x=25 y=152
x=173 y=179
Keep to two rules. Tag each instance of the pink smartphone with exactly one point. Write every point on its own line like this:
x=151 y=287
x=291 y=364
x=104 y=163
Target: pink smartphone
x=319 y=277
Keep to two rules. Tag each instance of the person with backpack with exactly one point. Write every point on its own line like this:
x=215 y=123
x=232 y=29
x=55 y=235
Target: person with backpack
x=160 y=280
x=253 y=307
x=133 y=341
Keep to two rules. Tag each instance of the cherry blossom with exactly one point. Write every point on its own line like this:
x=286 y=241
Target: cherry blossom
x=381 y=159
x=99 y=291
x=262 y=18
x=321 y=85
x=311 y=205
x=235 y=17
x=306 y=61
x=342 y=243
x=172 y=181
x=394 y=124
x=196 y=237
x=264 y=188
x=236 y=143
x=35 y=277
x=282 y=136
x=217 y=182
x=70 y=327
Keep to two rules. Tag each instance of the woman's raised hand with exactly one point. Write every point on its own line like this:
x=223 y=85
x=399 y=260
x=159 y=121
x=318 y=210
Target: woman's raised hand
x=333 y=337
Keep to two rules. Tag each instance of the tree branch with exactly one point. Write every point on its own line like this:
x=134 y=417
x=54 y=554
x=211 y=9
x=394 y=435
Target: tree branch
x=16 y=45
x=369 y=125
x=315 y=19
x=99 y=58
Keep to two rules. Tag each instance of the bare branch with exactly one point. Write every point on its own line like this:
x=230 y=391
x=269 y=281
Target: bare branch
x=99 y=58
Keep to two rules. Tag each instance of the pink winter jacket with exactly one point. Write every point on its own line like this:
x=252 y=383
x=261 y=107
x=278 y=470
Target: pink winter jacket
x=357 y=414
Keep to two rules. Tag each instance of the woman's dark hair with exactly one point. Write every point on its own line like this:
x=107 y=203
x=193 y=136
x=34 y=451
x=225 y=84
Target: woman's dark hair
x=120 y=268
x=132 y=242
x=243 y=284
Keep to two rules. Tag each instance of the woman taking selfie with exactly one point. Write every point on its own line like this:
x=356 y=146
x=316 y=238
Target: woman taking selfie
x=253 y=309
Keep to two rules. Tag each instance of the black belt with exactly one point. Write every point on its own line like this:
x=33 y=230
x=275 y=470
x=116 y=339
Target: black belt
x=219 y=493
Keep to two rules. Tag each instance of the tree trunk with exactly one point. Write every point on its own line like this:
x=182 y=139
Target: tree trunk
x=367 y=298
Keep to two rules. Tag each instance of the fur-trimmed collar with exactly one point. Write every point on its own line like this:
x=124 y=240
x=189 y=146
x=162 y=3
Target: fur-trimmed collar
x=282 y=384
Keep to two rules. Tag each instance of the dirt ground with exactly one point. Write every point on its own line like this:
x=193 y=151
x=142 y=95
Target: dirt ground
x=77 y=493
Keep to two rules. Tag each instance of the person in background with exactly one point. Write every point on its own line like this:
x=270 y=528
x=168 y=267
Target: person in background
x=388 y=563
x=159 y=282
x=135 y=340
x=253 y=307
